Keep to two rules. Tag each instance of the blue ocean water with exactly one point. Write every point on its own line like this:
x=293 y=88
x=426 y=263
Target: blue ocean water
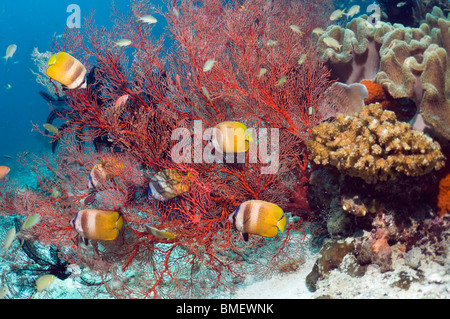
x=32 y=24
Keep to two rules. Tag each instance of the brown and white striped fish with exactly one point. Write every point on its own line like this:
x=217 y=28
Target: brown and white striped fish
x=67 y=70
x=258 y=217
x=169 y=183
x=106 y=169
x=97 y=224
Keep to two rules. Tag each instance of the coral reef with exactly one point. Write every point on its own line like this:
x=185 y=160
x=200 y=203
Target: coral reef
x=395 y=214
x=388 y=222
x=136 y=103
x=404 y=108
x=374 y=146
x=387 y=246
x=359 y=57
x=339 y=168
x=412 y=13
x=408 y=62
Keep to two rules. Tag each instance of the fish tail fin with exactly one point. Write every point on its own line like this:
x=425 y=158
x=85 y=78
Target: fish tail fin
x=119 y=222
x=282 y=223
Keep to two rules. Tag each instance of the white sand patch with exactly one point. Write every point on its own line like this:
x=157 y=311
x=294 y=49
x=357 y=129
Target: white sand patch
x=279 y=286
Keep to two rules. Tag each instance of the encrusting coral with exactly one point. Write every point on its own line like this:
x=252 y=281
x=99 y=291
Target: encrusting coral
x=374 y=146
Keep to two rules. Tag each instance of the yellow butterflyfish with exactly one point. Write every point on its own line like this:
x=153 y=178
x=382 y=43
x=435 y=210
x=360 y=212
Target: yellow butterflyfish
x=67 y=70
x=231 y=137
x=97 y=224
x=169 y=183
x=258 y=217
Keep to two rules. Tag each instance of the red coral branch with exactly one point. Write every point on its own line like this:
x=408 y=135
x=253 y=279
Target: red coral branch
x=168 y=93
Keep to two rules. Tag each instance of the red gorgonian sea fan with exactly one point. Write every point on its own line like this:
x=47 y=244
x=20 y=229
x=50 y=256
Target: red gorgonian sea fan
x=265 y=75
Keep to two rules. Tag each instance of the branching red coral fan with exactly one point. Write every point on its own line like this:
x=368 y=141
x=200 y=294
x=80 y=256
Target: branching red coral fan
x=256 y=79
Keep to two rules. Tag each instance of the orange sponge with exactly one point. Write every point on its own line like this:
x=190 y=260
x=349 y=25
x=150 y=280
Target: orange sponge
x=443 y=197
x=377 y=95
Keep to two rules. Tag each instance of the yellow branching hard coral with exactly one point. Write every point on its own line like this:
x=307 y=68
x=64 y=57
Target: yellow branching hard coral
x=374 y=146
